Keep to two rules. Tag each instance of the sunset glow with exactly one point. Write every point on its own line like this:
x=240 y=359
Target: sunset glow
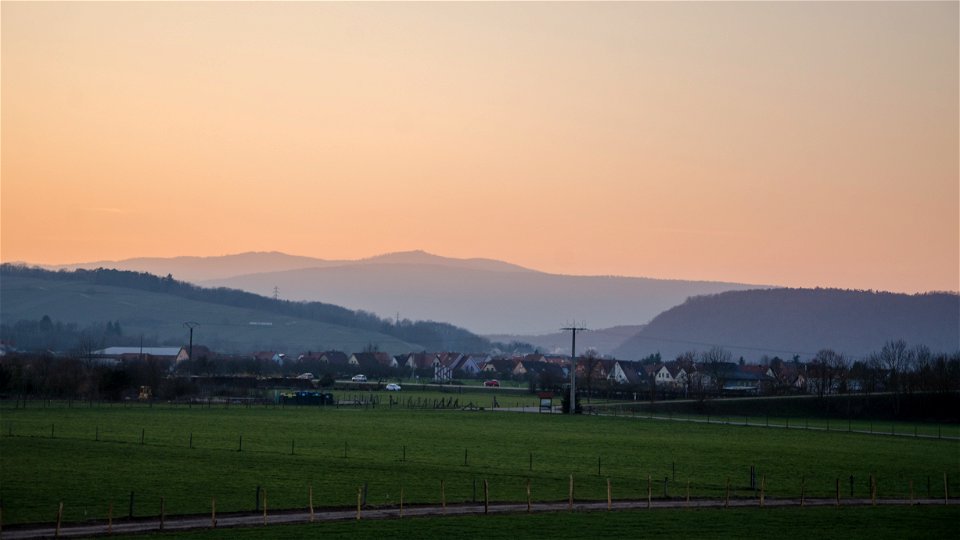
x=796 y=144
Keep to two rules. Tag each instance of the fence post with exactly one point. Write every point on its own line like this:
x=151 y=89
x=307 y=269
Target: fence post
x=59 y=519
x=531 y=461
x=264 y=506
x=726 y=499
x=464 y=457
x=359 y=495
x=911 y=492
x=191 y=440
x=528 y=495
x=570 y=496
x=838 y=491
x=763 y=488
x=443 y=497
x=946 y=489
x=162 y=511
x=486 y=496
x=110 y=519
x=649 y=490
x=131 y=505
x=688 y=493
x=609 y=495
x=802 y=489
x=873 y=490
x=256 y=506
x=213 y=512
x=401 y=498
x=310 y=502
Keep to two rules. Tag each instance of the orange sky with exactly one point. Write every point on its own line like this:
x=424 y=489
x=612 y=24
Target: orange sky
x=778 y=143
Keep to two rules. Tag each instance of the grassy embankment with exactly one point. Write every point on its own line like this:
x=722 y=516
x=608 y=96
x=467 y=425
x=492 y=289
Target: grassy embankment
x=94 y=459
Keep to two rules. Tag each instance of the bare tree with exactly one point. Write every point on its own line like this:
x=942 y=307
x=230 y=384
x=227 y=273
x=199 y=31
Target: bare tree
x=840 y=369
x=825 y=369
x=921 y=378
x=591 y=372
x=715 y=362
x=895 y=358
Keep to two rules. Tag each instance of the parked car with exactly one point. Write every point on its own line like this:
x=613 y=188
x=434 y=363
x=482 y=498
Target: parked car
x=359 y=378
x=393 y=387
x=491 y=382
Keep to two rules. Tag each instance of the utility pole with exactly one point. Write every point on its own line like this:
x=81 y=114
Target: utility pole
x=573 y=366
x=191 y=325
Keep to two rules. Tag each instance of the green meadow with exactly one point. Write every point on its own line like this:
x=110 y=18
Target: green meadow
x=94 y=457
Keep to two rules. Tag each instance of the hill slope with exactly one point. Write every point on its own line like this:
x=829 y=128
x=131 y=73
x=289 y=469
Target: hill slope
x=484 y=295
x=157 y=307
x=474 y=296
x=800 y=321
x=603 y=340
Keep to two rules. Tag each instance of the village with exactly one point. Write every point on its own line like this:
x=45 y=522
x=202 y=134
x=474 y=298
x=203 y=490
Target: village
x=709 y=374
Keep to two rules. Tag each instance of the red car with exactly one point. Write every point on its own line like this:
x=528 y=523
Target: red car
x=491 y=382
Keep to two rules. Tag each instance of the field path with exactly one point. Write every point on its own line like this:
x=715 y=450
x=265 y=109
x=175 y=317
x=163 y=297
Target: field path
x=183 y=523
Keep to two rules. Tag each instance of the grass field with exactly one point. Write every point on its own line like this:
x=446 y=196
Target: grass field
x=91 y=457
x=878 y=427
x=896 y=523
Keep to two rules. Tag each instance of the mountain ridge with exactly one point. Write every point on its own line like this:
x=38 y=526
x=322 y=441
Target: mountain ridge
x=786 y=321
x=486 y=296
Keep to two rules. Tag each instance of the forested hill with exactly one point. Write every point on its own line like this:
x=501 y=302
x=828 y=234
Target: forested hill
x=783 y=322
x=427 y=334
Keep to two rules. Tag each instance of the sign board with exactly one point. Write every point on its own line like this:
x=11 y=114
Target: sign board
x=546 y=401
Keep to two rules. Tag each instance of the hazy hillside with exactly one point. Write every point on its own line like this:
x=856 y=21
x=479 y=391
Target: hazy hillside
x=157 y=308
x=196 y=269
x=800 y=321
x=483 y=296
x=603 y=340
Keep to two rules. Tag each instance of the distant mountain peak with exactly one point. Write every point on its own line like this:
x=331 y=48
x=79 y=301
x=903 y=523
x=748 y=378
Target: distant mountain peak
x=419 y=256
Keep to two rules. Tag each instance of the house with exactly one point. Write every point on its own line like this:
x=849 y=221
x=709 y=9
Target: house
x=421 y=360
x=275 y=357
x=364 y=362
x=470 y=364
x=499 y=367
x=334 y=358
x=788 y=376
x=625 y=372
x=546 y=371
x=175 y=354
x=671 y=375
x=444 y=365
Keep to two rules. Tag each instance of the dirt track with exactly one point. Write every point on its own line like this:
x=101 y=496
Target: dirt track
x=182 y=523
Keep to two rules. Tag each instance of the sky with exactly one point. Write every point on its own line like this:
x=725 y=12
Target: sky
x=794 y=144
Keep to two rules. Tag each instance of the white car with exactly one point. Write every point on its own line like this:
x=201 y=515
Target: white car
x=359 y=378
x=393 y=387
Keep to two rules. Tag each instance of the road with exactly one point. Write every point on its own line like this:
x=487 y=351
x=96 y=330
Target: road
x=184 y=523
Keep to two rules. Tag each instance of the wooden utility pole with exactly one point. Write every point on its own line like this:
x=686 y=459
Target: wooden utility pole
x=573 y=366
